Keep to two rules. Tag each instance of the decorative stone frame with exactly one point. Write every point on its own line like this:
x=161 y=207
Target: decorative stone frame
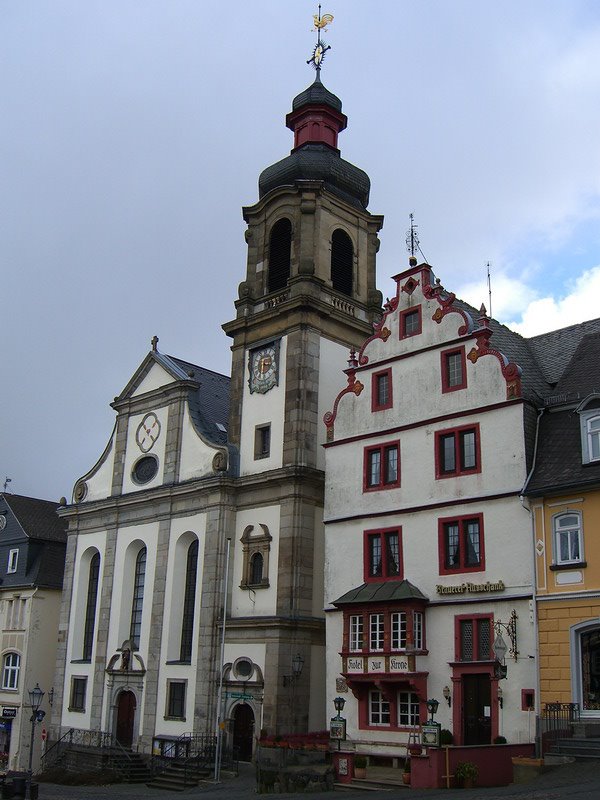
x=260 y=543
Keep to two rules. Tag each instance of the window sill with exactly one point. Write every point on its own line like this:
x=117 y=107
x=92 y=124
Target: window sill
x=81 y=661
x=261 y=585
x=174 y=719
x=76 y=710
x=574 y=565
x=178 y=661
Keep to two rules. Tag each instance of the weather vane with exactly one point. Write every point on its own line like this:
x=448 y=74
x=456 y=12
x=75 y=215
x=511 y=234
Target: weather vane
x=321 y=23
x=412 y=240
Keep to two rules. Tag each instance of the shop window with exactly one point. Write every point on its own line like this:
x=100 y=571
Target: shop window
x=382 y=467
x=457 y=452
x=381 y=390
x=410 y=322
x=461 y=545
x=454 y=371
x=383 y=554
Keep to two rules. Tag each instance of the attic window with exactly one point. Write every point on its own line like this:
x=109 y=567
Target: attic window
x=13 y=558
x=589 y=419
x=221 y=427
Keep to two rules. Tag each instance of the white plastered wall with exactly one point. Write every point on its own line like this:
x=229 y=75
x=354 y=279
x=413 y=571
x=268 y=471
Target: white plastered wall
x=255 y=602
x=133 y=452
x=261 y=409
x=333 y=359
x=156 y=377
x=196 y=456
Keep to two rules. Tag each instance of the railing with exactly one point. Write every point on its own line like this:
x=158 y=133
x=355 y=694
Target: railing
x=556 y=722
x=97 y=740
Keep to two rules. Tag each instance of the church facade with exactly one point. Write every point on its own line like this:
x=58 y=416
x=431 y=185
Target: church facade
x=194 y=578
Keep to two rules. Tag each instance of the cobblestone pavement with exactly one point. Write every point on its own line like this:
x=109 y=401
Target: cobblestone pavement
x=573 y=781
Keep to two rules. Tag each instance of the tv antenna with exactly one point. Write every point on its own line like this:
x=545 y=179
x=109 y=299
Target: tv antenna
x=7 y=480
x=412 y=239
x=489 y=283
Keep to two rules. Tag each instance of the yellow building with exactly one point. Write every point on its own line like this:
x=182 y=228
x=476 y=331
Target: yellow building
x=564 y=496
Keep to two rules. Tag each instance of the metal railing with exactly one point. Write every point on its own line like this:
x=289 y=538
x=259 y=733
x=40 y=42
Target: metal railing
x=556 y=722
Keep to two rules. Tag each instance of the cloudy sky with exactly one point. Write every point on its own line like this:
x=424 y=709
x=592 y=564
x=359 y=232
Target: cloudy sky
x=134 y=130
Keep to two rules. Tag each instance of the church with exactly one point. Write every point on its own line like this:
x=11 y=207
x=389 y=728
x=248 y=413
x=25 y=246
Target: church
x=193 y=595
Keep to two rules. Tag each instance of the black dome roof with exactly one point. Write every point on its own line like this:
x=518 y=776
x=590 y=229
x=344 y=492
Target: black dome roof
x=322 y=163
x=317 y=94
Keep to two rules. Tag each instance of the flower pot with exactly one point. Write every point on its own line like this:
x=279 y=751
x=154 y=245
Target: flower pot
x=406 y=778
x=360 y=773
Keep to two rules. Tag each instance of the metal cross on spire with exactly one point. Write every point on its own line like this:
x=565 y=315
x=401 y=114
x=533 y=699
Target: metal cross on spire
x=321 y=23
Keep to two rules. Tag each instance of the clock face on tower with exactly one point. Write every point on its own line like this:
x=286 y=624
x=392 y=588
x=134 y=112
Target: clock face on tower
x=263 y=365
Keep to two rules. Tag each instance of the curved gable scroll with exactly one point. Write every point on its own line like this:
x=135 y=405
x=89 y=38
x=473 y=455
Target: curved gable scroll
x=511 y=372
x=354 y=386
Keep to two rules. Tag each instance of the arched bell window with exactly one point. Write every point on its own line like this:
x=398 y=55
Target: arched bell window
x=256 y=568
x=280 y=250
x=342 y=262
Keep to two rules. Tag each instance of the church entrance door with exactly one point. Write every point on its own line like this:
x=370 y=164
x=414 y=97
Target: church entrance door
x=243 y=731
x=125 y=716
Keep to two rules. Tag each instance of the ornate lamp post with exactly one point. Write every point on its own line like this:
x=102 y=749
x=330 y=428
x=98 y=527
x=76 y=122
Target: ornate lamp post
x=36 y=696
x=432 y=707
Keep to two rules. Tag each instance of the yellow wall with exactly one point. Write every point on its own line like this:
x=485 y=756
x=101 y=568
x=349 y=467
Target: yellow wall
x=556 y=616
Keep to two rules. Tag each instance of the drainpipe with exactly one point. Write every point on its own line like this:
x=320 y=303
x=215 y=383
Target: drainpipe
x=534 y=609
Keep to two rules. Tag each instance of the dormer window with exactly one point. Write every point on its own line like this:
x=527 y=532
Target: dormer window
x=589 y=415
x=13 y=559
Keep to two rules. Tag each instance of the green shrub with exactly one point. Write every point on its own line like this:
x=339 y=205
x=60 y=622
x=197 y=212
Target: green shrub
x=360 y=762
x=500 y=740
x=466 y=769
x=446 y=736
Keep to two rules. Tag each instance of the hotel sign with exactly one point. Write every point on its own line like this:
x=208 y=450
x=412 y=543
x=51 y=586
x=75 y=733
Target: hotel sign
x=359 y=665
x=471 y=588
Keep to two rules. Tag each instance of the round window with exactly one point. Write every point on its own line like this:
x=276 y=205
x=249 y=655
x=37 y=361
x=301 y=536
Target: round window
x=243 y=668
x=145 y=469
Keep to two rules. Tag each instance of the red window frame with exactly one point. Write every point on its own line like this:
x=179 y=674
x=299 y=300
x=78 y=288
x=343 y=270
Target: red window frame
x=474 y=618
x=381 y=534
x=457 y=434
x=527 y=699
x=444 y=356
x=462 y=531
x=382 y=482
x=376 y=404
x=407 y=313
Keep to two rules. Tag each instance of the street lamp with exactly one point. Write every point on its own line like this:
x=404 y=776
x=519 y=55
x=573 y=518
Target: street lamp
x=339 y=703
x=36 y=696
x=297 y=664
x=432 y=707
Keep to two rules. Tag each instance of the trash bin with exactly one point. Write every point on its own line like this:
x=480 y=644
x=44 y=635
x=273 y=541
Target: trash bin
x=8 y=790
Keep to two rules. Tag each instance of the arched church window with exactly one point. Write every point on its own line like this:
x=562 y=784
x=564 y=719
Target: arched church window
x=135 y=627
x=189 y=599
x=256 y=568
x=280 y=249
x=342 y=262
x=90 y=607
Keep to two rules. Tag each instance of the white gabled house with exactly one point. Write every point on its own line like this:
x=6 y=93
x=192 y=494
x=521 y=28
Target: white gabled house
x=428 y=553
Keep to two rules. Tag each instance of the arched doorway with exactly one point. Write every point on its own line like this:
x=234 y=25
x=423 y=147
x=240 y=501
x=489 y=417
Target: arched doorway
x=125 y=716
x=243 y=731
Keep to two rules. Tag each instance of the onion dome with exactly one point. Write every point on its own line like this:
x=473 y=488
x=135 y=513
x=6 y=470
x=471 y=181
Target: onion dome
x=316 y=120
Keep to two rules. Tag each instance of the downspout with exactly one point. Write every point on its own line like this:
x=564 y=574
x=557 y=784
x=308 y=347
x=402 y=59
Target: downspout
x=534 y=609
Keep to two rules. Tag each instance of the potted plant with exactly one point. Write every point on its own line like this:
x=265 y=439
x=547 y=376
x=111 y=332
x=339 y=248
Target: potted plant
x=500 y=740
x=466 y=773
x=406 y=772
x=360 y=767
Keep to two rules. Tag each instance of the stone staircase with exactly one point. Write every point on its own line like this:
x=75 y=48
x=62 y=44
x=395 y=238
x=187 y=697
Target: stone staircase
x=177 y=777
x=132 y=767
x=378 y=779
x=584 y=745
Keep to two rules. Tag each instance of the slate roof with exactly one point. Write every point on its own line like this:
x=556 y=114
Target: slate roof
x=558 y=464
x=556 y=348
x=39 y=535
x=37 y=518
x=381 y=592
x=317 y=94
x=209 y=404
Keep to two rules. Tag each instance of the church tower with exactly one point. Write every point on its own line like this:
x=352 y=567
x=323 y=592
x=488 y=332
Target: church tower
x=308 y=297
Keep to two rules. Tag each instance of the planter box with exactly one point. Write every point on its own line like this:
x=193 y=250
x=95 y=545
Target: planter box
x=526 y=769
